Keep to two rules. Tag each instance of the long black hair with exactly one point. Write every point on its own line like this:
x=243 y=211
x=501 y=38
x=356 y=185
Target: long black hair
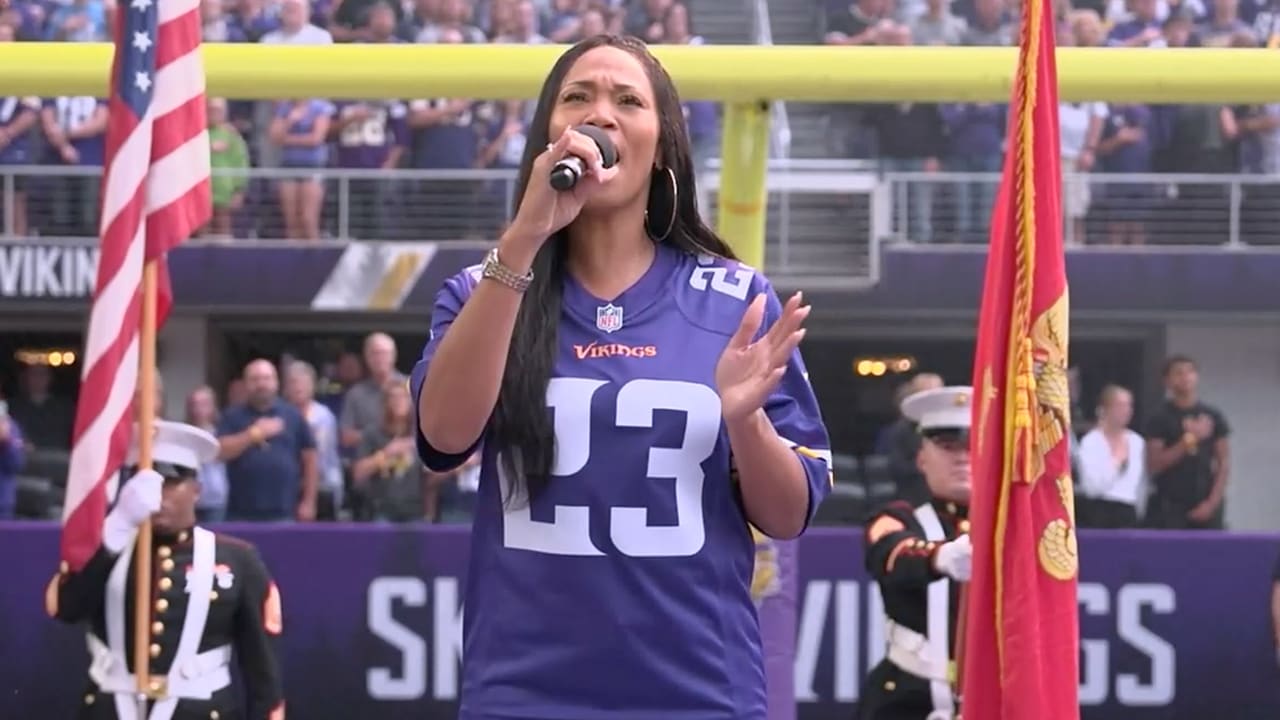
x=522 y=424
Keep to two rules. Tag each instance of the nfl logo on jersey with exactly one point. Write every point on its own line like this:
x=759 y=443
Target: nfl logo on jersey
x=609 y=318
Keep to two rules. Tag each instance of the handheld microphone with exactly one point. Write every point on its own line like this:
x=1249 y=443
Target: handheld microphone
x=568 y=171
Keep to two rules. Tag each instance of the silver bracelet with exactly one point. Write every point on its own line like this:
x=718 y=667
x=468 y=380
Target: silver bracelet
x=493 y=269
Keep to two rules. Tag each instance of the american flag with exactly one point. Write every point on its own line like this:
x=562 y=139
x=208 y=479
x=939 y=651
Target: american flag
x=155 y=195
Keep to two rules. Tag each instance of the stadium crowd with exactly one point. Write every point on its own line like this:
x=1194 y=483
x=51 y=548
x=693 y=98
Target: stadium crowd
x=295 y=147
x=1096 y=138
x=339 y=435
x=300 y=138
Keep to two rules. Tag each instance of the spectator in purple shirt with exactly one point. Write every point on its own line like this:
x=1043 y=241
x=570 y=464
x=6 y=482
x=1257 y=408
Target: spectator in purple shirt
x=18 y=116
x=75 y=129
x=26 y=17
x=1142 y=30
x=703 y=119
x=443 y=132
x=446 y=136
x=12 y=458
x=1125 y=147
x=252 y=21
x=301 y=130
x=564 y=23
x=371 y=136
x=975 y=144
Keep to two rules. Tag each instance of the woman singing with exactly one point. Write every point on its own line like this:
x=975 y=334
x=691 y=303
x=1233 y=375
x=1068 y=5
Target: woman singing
x=641 y=400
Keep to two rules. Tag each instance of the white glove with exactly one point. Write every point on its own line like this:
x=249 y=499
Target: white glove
x=955 y=559
x=139 y=499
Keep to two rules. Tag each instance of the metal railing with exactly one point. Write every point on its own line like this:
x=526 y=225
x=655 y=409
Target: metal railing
x=454 y=205
x=355 y=204
x=1099 y=209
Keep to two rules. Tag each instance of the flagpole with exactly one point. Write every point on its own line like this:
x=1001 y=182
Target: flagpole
x=146 y=422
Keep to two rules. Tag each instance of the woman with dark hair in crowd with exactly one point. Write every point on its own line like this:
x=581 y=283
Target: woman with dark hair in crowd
x=640 y=403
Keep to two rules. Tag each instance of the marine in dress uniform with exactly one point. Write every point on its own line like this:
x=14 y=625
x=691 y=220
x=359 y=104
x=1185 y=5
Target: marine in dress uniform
x=919 y=555
x=212 y=599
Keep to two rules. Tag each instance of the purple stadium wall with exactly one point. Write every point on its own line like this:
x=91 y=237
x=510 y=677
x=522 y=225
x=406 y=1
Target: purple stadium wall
x=1173 y=625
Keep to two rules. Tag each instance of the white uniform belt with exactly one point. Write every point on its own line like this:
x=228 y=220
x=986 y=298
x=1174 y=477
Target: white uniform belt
x=909 y=650
x=197 y=679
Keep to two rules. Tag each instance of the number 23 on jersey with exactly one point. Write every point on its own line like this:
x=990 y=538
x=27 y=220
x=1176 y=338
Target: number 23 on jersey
x=569 y=533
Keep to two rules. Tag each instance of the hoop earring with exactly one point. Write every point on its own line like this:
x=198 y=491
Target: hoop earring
x=659 y=198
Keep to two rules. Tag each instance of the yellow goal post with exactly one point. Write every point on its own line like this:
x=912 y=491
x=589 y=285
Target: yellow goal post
x=744 y=77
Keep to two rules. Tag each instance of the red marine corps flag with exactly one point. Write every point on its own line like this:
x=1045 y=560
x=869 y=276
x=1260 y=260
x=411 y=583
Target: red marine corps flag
x=1020 y=653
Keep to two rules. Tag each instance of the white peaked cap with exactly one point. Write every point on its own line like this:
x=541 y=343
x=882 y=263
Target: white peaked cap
x=178 y=444
x=945 y=408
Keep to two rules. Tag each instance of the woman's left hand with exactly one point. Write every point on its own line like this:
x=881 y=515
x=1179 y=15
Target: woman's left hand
x=749 y=371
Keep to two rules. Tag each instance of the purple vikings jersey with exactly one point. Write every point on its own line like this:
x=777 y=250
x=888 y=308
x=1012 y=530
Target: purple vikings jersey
x=72 y=112
x=623 y=592
x=449 y=145
x=18 y=149
x=368 y=143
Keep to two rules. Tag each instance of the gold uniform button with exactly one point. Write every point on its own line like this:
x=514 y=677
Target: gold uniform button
x=165 y=583
x=182 y=536
x=156 y=685
x=213 y=595
x=890 y=686
x=164 y=551
x=162 y=605
x=213 y=715
x=167 y=565
x=155 y=650
x=157 y=628
x=88 y=699
x=963 y=526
